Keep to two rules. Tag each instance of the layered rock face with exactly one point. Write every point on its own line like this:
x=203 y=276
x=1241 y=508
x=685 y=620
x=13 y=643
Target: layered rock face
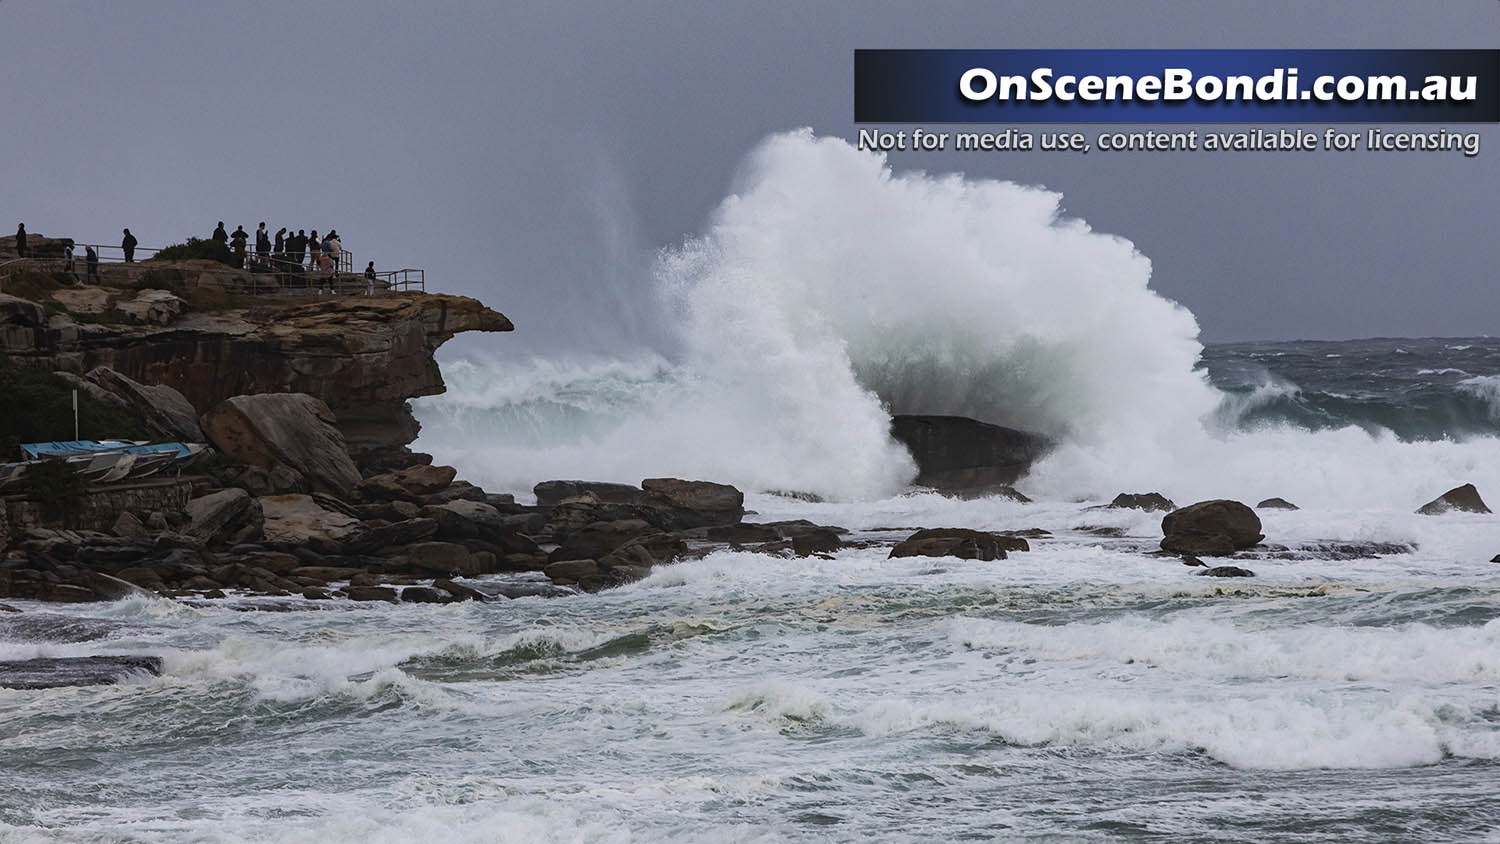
x=362 y=356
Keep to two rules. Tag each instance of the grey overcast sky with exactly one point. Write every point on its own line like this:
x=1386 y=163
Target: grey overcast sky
x=536 y=154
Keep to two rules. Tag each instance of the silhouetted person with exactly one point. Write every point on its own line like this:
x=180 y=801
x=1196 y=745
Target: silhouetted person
x=128 y=244
x=296 y=246
x=68 y=261
x=262 y=241
x=239 y=237
x=91 y=260
x=370 y=279
x=21 y=240
x=314 y=248
x=221 y=236
x=280 y=247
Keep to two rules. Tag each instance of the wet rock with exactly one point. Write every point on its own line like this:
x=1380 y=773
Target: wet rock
x=292 y=436
x=957 y=453
x=371 y=593
x=1005 y=491
x=458 y=591
x=326 y=574
x=742 y=534
x=1214 y=528
x=314 y=593
x=442 y=558
x=1465 y=499
x=8 y=608
x=57 y=672
x=1226 y=571
x=571 y=571
x=1495 y=559
x=1199 y=543
x=691 y=504
x=1148 y=501
x=553 y=493
x=465 y=519
x=599 y=538
x=823 y=541
x=1276 y=504
x=200 y=583
x=425 y=595
x=958 y=542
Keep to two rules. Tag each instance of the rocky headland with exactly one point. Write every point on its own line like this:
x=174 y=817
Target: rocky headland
x=311 y=488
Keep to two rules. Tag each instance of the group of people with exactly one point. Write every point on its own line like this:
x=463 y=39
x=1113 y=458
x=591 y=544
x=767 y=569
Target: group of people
x=90 y=256
x=293 y=248
x=320 y=253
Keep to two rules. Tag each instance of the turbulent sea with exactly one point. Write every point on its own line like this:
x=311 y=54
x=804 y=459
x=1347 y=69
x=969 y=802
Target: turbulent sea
x=1083 y=690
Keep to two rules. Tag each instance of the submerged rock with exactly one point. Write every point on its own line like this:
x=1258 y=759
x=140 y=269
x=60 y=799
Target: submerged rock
x=1148 y=501
x=55 y=672
x=1276 y=504
x=958 y=542
x=1463 y=498
x=1226 y=571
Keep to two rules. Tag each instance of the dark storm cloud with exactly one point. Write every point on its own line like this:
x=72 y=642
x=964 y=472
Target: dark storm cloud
x=536 y=154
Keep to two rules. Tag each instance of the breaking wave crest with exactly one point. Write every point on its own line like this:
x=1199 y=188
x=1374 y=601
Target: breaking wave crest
x=828 y=292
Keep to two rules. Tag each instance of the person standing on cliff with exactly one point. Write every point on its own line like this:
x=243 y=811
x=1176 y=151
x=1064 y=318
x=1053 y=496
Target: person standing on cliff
x=280 y=248
x=91 y=260
x=314 y=249
x=333 y=246
x=370 y=279
x=21 y=240
x=221 y=236
x=262 y=243
x=128 y=245
x=239 y=237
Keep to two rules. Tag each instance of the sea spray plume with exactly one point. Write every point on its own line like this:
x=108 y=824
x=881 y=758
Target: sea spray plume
x=948 y=295
x=828 y=292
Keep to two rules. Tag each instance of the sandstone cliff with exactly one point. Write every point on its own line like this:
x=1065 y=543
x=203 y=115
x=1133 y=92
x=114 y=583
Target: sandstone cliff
x=363 y=356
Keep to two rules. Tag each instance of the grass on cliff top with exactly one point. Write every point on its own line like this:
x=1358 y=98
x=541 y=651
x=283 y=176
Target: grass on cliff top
x=196 y=250
x=39 y=408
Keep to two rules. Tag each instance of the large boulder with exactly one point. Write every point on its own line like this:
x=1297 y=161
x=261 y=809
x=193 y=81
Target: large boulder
x=292 y=436
x=165 y=410
x=1464 y=498
x=1211 y=528
x=224 y=516
x=958 y=542
x=300 y=520
x=691 y=504
x=956 y=453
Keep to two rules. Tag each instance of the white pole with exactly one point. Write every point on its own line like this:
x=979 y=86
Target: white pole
x=75 y=414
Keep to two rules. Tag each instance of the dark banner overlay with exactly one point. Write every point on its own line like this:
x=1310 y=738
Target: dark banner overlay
x=1176 y=86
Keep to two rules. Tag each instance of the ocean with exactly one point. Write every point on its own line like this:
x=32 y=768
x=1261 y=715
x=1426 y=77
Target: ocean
x=1081 y=691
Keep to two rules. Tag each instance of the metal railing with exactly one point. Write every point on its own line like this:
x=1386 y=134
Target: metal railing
x=269 y=273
